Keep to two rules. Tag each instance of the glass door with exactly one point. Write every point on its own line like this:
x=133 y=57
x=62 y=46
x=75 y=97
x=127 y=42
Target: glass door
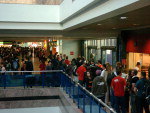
x=92 y=52
x=108 y=55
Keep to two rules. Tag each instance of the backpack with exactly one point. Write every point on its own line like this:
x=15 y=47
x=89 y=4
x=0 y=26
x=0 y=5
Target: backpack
x=146 y=90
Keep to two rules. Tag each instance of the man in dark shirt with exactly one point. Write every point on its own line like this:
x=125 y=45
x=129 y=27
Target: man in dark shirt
x=139 y=88
x=132 y=93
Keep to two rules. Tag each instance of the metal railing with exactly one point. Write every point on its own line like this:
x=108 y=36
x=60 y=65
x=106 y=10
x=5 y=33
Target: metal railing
x=30 y=78
x=84 y=99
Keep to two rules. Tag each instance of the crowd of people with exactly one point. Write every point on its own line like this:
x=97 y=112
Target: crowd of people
x=114 y=85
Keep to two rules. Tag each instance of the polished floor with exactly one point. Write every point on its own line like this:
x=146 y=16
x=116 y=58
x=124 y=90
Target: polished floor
x=33 y=110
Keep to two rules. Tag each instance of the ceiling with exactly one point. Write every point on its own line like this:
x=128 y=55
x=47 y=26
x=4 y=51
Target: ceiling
x=136 y=19
x=37 y=2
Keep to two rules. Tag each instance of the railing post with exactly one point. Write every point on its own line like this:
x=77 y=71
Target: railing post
x=73 y=90
x=61 y=81
x=83 y=102
x=70 y=92
x=78 y=97
x=66 y=84
x=4 y=81
x=99 y=108
x=43 y=81
x=91 y=101
x=24 y=80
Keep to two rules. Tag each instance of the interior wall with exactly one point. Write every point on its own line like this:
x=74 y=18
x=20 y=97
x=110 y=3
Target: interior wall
x=138 y=43
x=71 y=46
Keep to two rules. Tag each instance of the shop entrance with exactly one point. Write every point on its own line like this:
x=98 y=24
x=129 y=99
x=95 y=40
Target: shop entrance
x=108 y=54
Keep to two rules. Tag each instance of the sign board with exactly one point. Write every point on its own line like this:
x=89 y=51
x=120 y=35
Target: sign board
x=71 y=53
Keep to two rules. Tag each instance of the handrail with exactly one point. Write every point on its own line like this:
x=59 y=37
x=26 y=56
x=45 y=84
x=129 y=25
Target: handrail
x=31 y=71
x=99 y=100
x=91 y=94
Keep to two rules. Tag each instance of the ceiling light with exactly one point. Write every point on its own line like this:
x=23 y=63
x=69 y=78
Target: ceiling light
x=123 y=18
x=135 y=24
x=99 y=24
x=84 y=28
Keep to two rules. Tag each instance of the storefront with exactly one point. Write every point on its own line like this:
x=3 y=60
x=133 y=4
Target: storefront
x=138 y=50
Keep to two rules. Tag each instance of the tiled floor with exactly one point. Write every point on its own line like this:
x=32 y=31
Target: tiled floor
x=33 y=110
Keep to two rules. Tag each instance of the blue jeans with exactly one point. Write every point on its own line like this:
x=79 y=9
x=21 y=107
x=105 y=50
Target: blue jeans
x=120 y=104
x=133 y=102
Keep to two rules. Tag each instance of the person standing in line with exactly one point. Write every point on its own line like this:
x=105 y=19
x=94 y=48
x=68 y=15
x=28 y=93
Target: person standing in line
x=118 y=85
x=104 y=74
x=42 y=67
x=80 y=73
x=67 y=62
x=139 y=89
x=49 y=66
x=3 y=69
x=49 y=76
x=99 y=64
x=138 y=68
x=133 y=99
x=99 y=87
x=109 y=79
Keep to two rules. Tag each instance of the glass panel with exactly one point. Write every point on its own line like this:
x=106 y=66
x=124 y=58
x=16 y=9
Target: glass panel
x=103 y=57
x=114 y=42
x=109 y=56
x=102 y=43
x=40 y=2
x=95 y=107
x=113 y=58
x=88 y=104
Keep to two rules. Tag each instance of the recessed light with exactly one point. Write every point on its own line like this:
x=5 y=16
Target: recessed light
x=99 y=24
x=84 y=28
x=136 y=24
x=123 y=17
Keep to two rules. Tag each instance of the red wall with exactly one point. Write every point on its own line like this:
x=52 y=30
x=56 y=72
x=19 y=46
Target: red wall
x=138 y=43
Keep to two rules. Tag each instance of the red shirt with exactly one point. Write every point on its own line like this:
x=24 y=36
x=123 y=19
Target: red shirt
x=42 y=67
x=67 y=62
x=118 y=84
x=100 y=65
x=80 y=72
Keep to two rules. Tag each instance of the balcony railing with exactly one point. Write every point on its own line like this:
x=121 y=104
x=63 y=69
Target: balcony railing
x=35 y=2
x=84 y=99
